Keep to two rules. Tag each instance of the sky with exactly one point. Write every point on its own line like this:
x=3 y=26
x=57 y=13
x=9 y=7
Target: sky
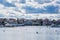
x=43 y=6
x=18 y=8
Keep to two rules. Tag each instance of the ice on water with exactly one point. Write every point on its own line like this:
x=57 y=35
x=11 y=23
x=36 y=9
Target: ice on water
x=30 y=33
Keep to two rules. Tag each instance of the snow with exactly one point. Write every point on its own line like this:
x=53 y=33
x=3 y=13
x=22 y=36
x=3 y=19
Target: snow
x=29 y=33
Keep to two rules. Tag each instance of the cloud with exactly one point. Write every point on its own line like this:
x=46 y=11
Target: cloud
x=7 y=4
x=9 y=9
x=52 y=9
x=43 y=1
x=45 y=9
x=1 y=6
x=42 y=16
x=21 y=9
x=47 y=6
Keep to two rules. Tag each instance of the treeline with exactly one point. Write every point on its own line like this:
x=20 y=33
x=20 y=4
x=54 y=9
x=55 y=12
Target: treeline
x=30 y=22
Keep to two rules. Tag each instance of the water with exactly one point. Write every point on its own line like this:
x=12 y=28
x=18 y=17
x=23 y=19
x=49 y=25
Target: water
x=30 y=33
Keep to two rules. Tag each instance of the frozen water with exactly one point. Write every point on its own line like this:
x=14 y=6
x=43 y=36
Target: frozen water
x=30 y=33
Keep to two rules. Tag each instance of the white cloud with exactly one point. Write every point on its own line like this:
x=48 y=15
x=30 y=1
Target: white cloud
x=19 y=12
x=1 y=6
x=37 y=5
x=42 y=16
x=11 y=1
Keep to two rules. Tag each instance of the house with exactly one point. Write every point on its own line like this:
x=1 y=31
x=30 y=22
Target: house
x=46 y=22
x=35 y=22
x=57 y=22
x=12 y=21
x=27 y=22
x=20 y=21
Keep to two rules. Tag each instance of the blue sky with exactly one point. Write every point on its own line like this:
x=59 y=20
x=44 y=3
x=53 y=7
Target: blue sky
x=48 y=9
x=6 y=4
x=43 y=1
x=22 y=1
x=23 y=8
x=30 y=9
